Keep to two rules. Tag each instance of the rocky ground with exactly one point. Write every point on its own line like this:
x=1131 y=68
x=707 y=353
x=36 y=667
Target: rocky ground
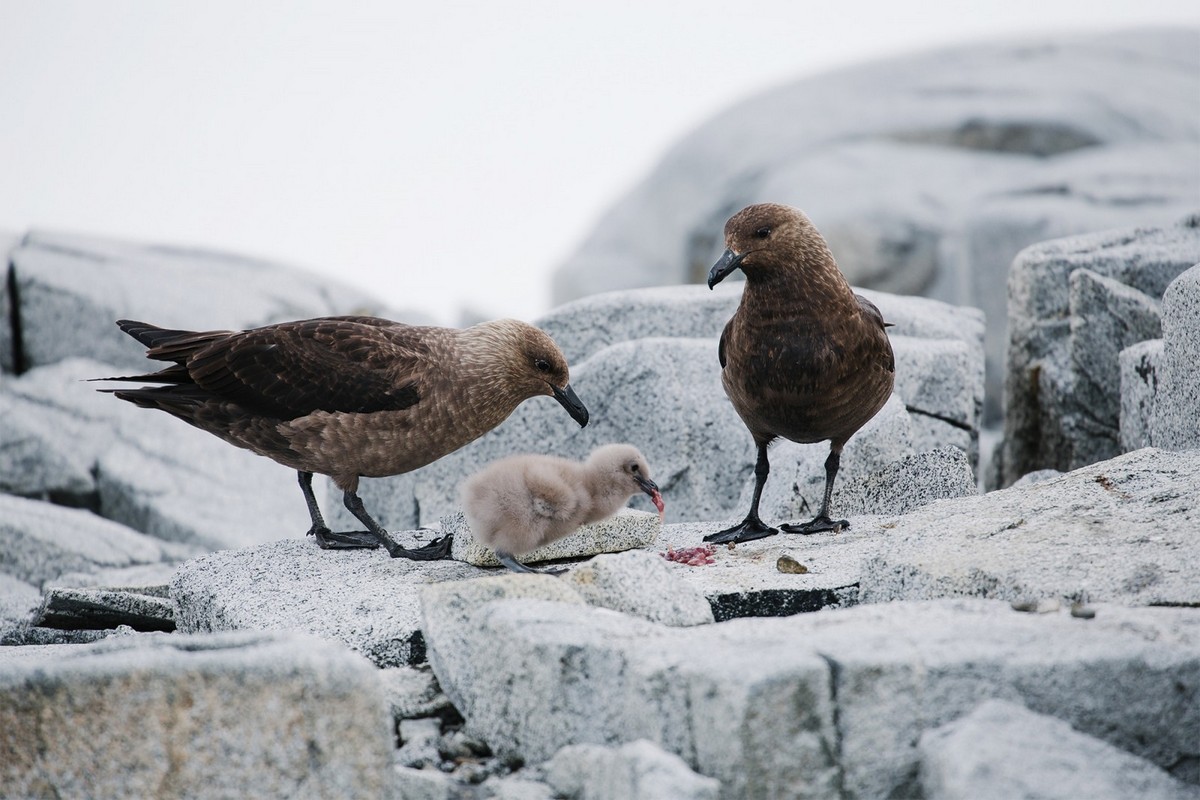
x=169 y=631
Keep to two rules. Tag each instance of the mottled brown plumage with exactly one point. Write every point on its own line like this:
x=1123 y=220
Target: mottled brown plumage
x=803 y=357
x=351 y=396
x=521 y=503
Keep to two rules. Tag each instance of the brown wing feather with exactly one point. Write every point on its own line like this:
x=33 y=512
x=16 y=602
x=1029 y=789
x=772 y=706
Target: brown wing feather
x=352 y=364
x=293 y=369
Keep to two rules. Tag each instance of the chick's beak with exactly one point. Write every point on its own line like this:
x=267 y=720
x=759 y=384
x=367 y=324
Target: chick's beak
x=728 y=262
x=570 y=401
x=651 y=488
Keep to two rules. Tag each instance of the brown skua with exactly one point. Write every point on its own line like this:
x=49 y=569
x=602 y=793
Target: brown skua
x=803 y=357
x=351 y=397
x=521 y=503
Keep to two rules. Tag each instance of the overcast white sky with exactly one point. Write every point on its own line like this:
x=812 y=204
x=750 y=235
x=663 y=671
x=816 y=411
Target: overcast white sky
x=441 y=155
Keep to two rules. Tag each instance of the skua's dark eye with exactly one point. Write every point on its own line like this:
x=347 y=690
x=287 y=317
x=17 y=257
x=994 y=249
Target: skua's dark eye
x=763 y=232
x=542 y=365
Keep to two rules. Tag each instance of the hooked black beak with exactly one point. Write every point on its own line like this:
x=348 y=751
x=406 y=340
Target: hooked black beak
x=648 y=486
x=727 y=264
x=570 y=401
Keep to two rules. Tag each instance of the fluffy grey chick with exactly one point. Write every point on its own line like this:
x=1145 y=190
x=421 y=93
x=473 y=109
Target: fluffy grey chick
x=521 y=503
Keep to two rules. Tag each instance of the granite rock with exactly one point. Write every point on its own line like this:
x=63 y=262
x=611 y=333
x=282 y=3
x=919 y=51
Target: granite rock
x=1121 y=531
x=624 y=530
x=642 y=585
x=822 y=705
x=80 y=609
x=40 y=541
x=283 y=716
x=909 y=483
x=638 y=770
x=1178 y=396
x=1038 y=427
x=446 y=611
x=66 y=442
x=1002 y=750
x=70 y=289
x=413 y=692
x=1139 y=366
x=361 y=598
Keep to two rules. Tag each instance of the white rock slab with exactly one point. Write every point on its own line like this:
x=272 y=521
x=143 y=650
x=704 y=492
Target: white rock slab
x=626 y=529
x=819 y=705
x=1178 y=398
x=66 y=441
x=362 y=598
x=636 y=771
x=40 y=541
x=1124 y=531
x=640 y=584
x=235 y=715
x=1002 y=750
x=72 y=289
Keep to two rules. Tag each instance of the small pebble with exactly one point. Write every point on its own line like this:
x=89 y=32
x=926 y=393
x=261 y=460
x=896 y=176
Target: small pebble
x=790 y=565
x=1081 y=611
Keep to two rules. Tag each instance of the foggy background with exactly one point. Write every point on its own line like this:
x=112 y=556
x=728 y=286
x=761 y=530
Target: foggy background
x=442 y=156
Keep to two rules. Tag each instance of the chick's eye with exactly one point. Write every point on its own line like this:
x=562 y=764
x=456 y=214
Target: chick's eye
x=542 y=365
x=633 y=468
x=763 y=232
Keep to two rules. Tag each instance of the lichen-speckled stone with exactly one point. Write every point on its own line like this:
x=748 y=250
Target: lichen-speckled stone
x=625 y=530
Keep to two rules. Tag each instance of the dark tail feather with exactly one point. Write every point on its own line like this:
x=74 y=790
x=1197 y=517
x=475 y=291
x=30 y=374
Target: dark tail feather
x=172 y=399
x=176 y=373
x=150 y=335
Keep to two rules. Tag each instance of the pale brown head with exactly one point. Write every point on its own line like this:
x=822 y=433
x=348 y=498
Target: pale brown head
x=621 y=471
x=532 y=364
x=768 y=239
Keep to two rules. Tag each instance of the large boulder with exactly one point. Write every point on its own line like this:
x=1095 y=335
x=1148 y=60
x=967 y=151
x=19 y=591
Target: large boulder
x=1124 y=531
x=236 y=715
x=1177 y=400
x=817 y=705
x=70 y=444
x=65 y=291
x=927 y=173
x=1002 y=750
x=1073 y=305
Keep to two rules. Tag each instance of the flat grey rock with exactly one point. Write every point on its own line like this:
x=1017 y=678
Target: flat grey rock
x=834 y=701
x=361 y=598
x=624 y=530
x=151 y=579
x=76 y=609
x=1139 y=366
x=446 y=611
x=1042 y=429
x=413 y=692
x=638 y=770
x=745 y=581
x=1178 y=396
x=40 y=541
x=640 y=584
x=283 y=715
x=146 y=469
x=18 y=602
x=1121 y=531
x=71 y=289
x=1004 y=751
x=909 y=483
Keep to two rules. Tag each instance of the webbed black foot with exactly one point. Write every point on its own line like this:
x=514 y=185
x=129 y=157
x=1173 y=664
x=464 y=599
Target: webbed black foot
x=344 y=540
x=437 y=550
x=748 y=530
x=821 y=524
